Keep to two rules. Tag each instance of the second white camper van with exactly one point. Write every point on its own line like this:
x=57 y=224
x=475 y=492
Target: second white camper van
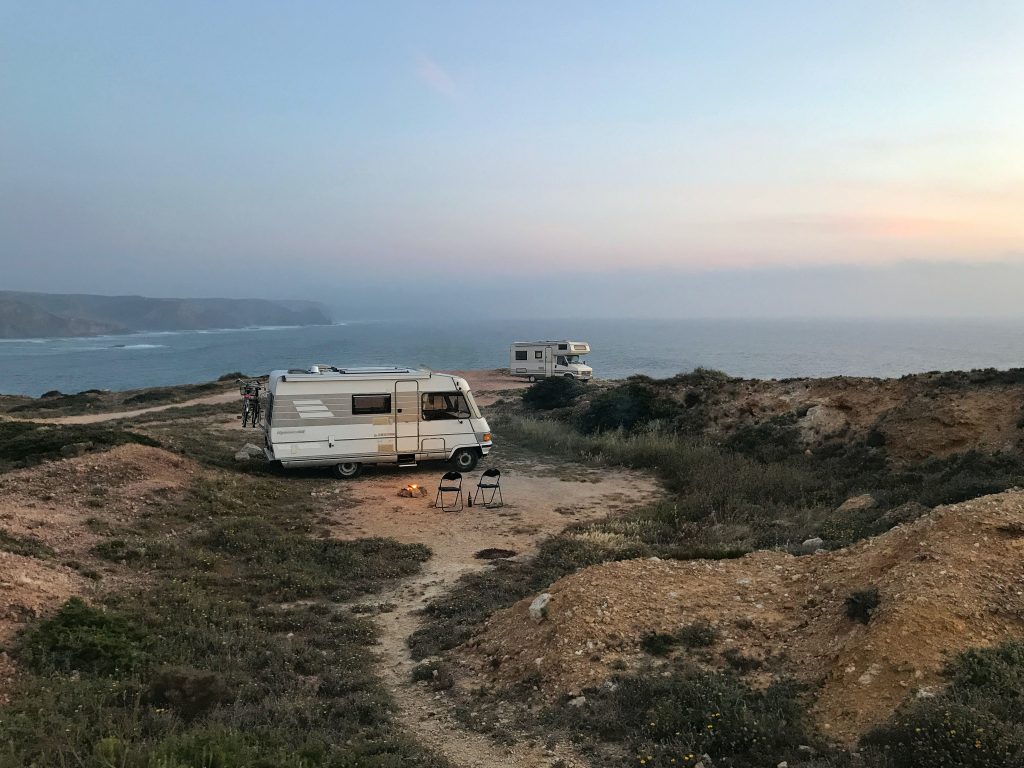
x=347 y=417
x=540 y=359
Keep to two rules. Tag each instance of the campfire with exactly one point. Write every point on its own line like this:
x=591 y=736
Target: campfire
x=412 y=491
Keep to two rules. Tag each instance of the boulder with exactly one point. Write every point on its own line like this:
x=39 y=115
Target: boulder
x=822 y=421
x=539 y=607
x=812 y=545
x=905 y=513
x=75 y=449
x=858 y=503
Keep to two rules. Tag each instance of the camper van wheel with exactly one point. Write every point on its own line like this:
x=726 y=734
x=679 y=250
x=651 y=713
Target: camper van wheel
x=346 y=470
x=465 y=459
x=533 y=379
x=569 y=376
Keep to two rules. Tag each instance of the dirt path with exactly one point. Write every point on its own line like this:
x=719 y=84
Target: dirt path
x=96 y=418
x=541 y=500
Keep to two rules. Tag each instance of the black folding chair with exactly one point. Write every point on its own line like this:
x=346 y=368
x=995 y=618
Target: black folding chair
x=448 y=485
x=489 y=481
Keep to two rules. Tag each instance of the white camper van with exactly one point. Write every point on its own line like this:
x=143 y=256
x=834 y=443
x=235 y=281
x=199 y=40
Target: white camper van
x=347 y=417
x=539 y=359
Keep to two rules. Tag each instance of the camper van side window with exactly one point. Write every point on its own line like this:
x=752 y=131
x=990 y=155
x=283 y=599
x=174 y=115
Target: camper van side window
x=562 y=347
x=367 y=405
x=538 y=354
x=520 y=354
x=444 y=405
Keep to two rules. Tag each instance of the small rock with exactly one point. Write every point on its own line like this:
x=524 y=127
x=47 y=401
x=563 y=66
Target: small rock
x=539 y=607
x=858 y=503
x=783 y=764
x=242 y=456
x=812 y=545
x=76 y=449
x=579 y=701
x=905 y=513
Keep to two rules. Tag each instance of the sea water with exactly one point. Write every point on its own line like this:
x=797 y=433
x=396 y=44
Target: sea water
x=764 y=349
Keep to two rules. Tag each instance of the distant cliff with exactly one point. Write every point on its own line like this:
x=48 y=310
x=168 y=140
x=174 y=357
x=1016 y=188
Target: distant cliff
x=37 y=315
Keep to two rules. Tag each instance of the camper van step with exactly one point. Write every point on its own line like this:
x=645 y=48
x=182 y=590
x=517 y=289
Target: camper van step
x=407 y=461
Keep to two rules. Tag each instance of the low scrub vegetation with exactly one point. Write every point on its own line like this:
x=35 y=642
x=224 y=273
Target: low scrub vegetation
x=675 y=718
x=553 y=392
x=229 y=651
x=976 y=722
x=862 y=604
x=27 y=546
x=25 y=443
x=55 y=403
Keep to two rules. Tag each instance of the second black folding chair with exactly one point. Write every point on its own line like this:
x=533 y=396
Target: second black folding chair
x=451 y=484
x=490 y=481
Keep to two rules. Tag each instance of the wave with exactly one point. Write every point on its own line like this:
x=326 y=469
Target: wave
x=137 y=346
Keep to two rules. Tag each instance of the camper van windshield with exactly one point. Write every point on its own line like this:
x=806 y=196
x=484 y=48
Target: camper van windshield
x=445 y=405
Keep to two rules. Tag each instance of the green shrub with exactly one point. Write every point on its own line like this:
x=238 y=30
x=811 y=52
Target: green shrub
x=662 y=719
x=658 y=643
x=553 y=392
x=774 y=440
x=976 y=722
x=862 y=604
x=740 y=661
x=119 y=550
x=25 y=443
x=188 y=691
x=944 y=732
x=80 y=638
x=700 y=634
x=627 y=406
x=292 y=565
x=437 y=673
x=28 y=546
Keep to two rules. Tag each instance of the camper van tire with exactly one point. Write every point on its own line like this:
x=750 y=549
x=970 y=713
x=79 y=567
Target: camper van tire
x=346 y=470
x=465 y=459
x=533 y=379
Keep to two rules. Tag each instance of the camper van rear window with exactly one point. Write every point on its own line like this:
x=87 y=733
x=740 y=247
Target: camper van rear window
x=366 y=405
x=521 y=354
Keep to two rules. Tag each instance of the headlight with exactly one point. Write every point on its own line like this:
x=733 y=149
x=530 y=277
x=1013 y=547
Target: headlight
x=486 y=437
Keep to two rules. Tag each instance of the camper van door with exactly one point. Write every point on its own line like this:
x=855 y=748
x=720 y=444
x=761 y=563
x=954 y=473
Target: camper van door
x=407 y=416
x=548 y=362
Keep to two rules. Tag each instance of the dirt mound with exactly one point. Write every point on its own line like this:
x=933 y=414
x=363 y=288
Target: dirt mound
x=949 y=581
x=59 y=501
x=51 y=511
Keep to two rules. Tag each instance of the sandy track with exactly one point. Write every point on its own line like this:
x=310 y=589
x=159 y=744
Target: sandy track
x=541 y=500
x=96 y=418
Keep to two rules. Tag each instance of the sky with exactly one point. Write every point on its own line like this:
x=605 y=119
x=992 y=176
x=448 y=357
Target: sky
x=615 y=158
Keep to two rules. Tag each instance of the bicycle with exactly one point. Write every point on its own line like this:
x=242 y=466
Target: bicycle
x=251 y=409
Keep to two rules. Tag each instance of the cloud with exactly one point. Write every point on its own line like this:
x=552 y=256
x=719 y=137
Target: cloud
x=436 y=78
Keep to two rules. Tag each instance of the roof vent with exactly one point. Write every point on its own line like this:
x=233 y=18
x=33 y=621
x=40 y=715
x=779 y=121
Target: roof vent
x=314 y=369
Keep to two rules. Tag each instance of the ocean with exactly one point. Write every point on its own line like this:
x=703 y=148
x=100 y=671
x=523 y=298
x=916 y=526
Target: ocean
x=763 y=349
